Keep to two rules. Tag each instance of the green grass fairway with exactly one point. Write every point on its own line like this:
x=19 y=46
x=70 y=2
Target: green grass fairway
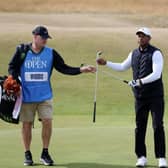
x=78 y=143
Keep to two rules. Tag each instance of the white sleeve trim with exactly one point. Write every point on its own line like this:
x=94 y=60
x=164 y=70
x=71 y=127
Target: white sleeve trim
x=157 y=67
x=126 y=64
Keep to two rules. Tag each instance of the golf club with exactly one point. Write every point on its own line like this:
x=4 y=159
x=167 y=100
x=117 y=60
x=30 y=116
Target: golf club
x=95 y=94
x=115 y=77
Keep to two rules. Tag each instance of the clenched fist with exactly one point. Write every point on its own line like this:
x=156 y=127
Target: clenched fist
x=101 y=61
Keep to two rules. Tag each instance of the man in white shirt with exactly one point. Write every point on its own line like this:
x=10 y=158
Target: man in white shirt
x=147 y=63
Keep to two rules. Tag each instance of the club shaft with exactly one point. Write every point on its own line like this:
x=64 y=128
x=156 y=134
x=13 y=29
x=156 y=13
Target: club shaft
x=115 y=77
x=95 y=94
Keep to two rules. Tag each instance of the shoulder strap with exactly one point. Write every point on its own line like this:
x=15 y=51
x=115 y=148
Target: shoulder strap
x=23 y=48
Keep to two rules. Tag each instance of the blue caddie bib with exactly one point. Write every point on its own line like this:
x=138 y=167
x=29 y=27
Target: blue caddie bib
x=35 y=76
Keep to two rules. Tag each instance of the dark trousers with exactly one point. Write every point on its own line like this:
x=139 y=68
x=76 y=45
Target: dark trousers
x=142 y=108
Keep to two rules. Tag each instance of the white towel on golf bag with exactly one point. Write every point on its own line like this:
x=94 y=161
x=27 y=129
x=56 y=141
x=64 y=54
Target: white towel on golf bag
x=17 y=107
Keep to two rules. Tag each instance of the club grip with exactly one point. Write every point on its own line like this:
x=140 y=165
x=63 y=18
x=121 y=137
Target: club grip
x=94 y=112
x=125 y=81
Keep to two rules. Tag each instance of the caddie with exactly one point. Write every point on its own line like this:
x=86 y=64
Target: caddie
x=34 y=63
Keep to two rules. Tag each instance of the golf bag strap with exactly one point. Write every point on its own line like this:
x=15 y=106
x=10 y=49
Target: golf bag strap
x=23 y=49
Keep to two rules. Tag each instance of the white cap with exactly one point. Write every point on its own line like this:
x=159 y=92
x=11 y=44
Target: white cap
x=145 y=31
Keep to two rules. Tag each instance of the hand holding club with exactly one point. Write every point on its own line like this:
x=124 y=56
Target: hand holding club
x=101 y=61
x=135 y=83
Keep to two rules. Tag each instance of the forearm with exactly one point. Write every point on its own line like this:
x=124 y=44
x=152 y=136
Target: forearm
x=14 y=67
x=126 y=64
x=68 y=70
x=151 y=78
x=115 y=66
x=12 y=71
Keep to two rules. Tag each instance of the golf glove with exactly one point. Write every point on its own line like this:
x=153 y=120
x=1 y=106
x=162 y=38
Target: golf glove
x=135 y=83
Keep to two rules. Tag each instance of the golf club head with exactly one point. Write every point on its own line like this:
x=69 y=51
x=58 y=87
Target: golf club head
x=99 y=53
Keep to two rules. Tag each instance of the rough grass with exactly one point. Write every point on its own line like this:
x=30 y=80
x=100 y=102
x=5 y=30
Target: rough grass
x=115 y=6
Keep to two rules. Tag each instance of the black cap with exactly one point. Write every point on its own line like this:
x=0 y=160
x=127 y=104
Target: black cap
x=42 y=31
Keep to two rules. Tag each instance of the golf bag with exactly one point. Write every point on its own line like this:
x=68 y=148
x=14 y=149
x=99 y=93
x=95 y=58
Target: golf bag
x=9 y=104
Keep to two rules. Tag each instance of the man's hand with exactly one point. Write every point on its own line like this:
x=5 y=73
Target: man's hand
x=101 y=61
x=135 y=83
x=88 y=68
